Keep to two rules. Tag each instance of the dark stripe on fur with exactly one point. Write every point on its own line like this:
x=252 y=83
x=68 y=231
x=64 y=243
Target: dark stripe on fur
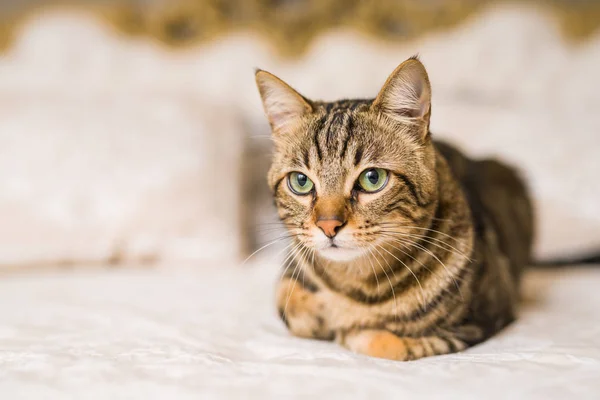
x=358 y=156
x=412 y=188
x=317 y=129
x=333 y=127
x=301 y=278
x=349 y=131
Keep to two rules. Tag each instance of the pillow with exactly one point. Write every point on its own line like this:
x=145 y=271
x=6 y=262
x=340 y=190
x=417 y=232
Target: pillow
x=111 y=176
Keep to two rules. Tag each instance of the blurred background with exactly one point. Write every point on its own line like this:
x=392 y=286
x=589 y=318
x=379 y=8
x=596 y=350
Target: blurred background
x=131 y=132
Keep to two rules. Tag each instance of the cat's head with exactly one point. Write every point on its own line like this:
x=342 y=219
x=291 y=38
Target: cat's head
x=348 y=177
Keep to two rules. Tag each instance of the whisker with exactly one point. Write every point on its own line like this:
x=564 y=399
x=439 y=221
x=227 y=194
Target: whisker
x=430 y=240
x=306 y=251
x=287 y=261
x=443 y=219
x=435 y=257
x=297 y=267
x=395 y=224
x=373 y=267
x=438 y=243
x=413 y=274
x=312 y=262
x=266 y=236
x=277 y=240
x=420 y=263
x=444 y=288
x=391 y=286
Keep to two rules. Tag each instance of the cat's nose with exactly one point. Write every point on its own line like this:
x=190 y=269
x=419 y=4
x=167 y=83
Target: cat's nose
x=330 y=227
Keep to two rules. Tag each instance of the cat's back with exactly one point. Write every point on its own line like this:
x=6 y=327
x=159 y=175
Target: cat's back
x=499 y=202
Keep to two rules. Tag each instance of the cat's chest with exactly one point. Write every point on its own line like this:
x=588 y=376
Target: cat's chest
x=343 y=312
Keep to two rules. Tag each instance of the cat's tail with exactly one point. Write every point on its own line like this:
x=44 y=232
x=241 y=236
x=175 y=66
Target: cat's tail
x=585 y=259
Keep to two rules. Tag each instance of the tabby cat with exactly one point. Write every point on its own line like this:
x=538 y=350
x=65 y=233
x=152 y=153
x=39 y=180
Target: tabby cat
x=402 y=247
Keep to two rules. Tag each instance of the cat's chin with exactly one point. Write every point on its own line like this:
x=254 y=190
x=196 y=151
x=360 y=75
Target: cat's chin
x=340 y=253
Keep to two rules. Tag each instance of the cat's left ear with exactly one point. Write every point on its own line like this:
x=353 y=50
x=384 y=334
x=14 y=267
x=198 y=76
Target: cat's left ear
x=406 y=94
x=282 y=104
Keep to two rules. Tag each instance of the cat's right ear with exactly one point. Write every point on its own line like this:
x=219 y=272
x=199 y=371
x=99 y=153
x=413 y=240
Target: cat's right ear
x=282 y=104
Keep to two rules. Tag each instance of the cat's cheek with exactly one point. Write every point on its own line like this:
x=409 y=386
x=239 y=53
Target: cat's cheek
x=304 y=201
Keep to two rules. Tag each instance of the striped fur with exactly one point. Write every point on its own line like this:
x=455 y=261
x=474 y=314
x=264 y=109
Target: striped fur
x=427 y=266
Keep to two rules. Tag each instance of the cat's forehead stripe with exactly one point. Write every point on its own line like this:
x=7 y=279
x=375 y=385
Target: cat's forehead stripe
x=317 y=129
x=349 y=132
x=334 y=130
x=330 y=136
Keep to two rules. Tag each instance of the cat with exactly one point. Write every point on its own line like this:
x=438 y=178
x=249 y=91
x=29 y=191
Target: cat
x=402 y=247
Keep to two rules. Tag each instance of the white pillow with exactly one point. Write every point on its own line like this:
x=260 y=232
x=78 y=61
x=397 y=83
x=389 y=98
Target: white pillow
x=110 y=176
x=103 y=159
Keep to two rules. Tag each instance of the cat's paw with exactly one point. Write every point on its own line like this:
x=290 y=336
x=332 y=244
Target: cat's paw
x=385 y=344
x=302 y=311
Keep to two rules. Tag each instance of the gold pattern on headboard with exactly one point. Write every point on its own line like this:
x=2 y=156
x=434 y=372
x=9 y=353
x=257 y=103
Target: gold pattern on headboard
x=291 y=24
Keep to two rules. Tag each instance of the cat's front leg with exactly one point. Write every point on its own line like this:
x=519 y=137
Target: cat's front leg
x=302 y=310
x=385 y=344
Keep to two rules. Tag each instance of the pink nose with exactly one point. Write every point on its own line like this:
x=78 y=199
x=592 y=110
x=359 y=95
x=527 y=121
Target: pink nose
x=329 y=226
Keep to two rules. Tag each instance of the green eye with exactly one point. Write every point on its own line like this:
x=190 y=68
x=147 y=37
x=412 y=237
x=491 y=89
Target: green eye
x=373 y=180
x=300 y=183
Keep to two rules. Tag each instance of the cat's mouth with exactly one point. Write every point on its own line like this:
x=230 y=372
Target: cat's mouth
x=333 y=243
x=336 y=251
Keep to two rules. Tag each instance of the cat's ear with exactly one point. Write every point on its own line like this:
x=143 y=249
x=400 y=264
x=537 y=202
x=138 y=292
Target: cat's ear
x=283 y=105
x=406 y=94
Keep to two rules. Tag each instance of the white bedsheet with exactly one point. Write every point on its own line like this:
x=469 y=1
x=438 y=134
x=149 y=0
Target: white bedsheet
x=213 y=332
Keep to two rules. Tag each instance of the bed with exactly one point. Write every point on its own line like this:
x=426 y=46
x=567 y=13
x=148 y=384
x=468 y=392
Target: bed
x=213 y=332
